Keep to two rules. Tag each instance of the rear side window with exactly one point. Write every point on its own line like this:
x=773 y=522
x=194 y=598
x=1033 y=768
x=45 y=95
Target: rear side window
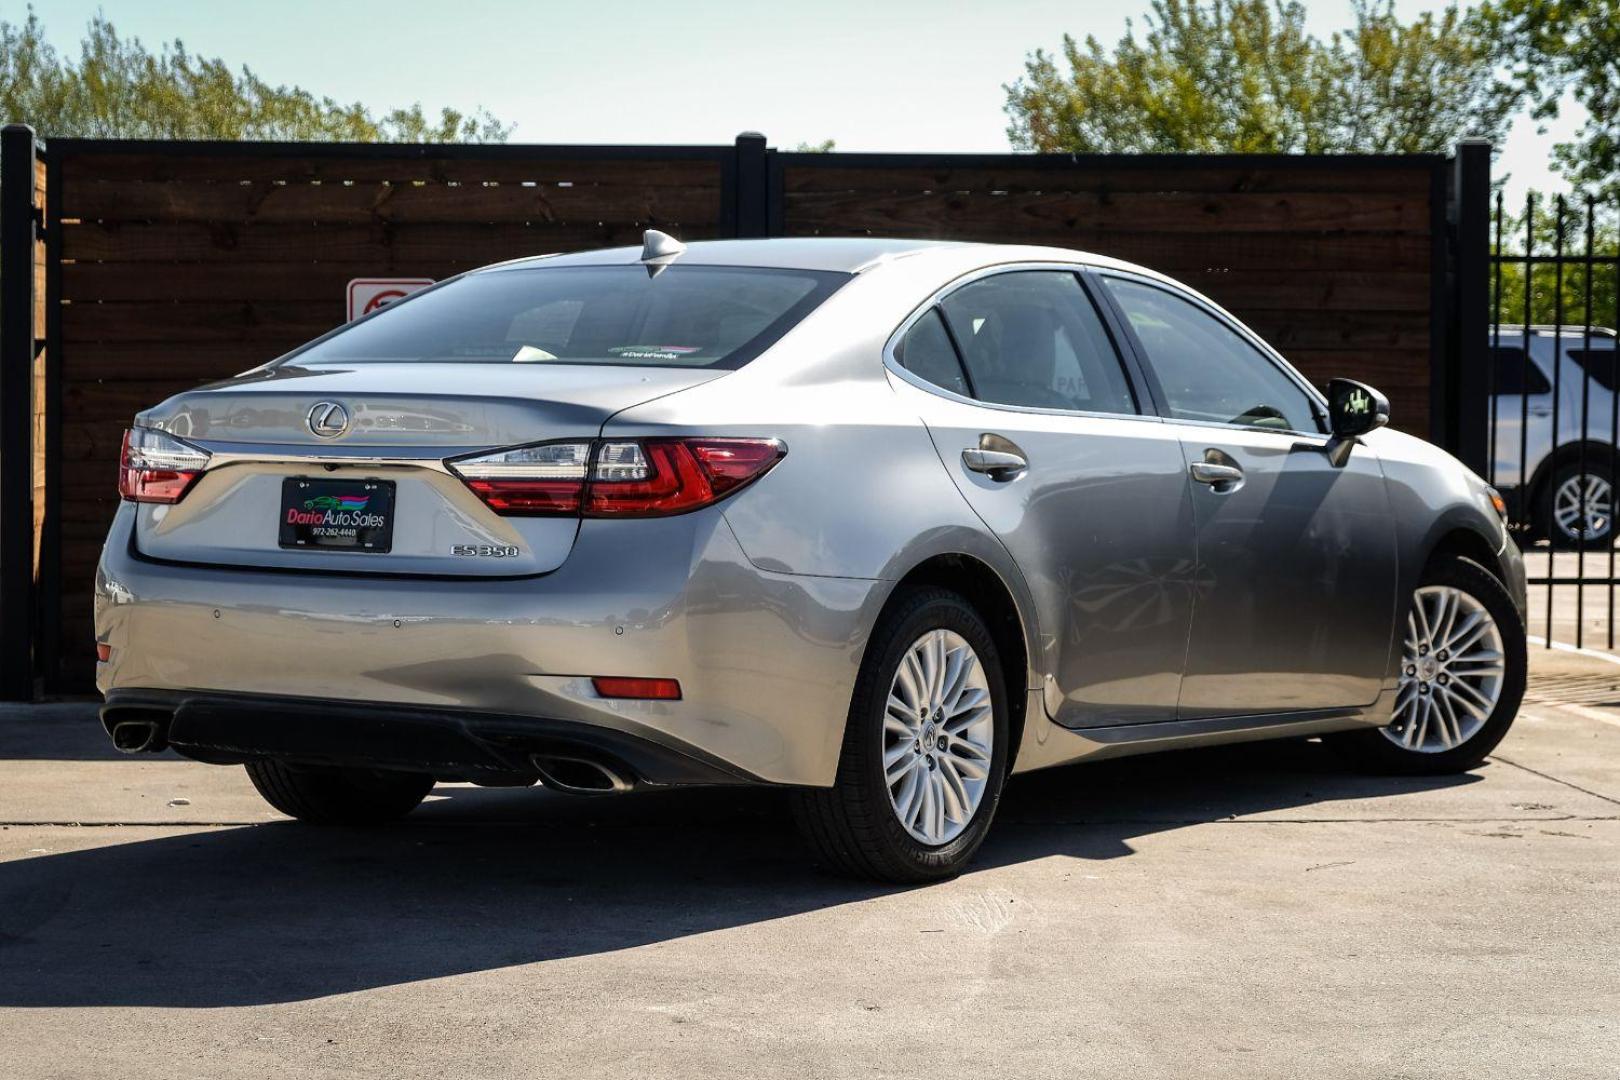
x=1205 y=368
x=926 y=351
x=1598 y=363
x=683 y=316
x=1516 y=374
x=1033 y=338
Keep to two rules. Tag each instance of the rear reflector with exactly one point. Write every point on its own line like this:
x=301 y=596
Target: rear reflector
x=610 y=686
x=156 y=467
x=642 y=478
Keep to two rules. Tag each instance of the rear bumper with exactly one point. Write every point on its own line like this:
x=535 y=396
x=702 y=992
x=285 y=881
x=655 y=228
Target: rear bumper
x=766 y=661
x=449 y=743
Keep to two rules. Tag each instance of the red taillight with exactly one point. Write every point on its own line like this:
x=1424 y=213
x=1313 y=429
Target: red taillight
x=155 y=467
x=609 y=686
x=529 y=480
x=642 y=478
x=103 y=652
x=680 y=475
x=529 y=497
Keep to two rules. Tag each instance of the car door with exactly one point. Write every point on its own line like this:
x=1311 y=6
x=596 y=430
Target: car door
x=1018 y=378
x=1521 y=411
x=1295 y=603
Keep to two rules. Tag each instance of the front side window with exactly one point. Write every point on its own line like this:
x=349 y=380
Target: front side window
x=1516 y=373
x=683 y=316
x=1205 y=368
x=1033 y=338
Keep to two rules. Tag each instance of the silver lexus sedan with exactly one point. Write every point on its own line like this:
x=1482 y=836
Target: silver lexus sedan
x=880 y=522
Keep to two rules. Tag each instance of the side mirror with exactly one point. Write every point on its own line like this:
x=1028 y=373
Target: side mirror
x=1353 y=409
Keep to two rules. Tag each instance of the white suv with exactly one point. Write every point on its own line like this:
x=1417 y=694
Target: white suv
x=1561 y=479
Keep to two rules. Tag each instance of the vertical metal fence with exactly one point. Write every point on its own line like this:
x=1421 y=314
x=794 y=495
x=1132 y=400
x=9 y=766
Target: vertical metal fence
x=1554 y=392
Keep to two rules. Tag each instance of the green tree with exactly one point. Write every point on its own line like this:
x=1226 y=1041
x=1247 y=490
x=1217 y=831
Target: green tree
x=117 y=88
x=1244 y=76
x=1551 y=48
x=1556 y=295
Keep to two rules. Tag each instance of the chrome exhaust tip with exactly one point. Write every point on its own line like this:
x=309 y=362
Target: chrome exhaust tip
x=580 y=776
x=138 y=736
x=137 y=729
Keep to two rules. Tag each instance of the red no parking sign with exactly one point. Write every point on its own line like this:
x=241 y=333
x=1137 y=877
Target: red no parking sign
x=368 y=294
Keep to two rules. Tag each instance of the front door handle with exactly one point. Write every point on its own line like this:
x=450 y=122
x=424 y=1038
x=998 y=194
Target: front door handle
x=1220 y=478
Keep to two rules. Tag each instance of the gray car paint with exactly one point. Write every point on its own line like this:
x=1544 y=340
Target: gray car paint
x=407 y=419
x=1296 y=576
x=762 y=605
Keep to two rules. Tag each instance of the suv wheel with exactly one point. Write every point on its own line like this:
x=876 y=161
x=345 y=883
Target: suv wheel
x=1580 y=500
x=1462 y=676
x=327 y=795
x=925 y=748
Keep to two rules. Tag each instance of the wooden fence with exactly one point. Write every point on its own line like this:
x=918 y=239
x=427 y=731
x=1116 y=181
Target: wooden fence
x=162 y=265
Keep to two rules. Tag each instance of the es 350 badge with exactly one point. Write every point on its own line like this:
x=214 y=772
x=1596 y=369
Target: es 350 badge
x=485 y=551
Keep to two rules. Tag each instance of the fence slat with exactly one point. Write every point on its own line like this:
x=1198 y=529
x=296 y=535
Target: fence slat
x=1032 y=174
x=306 y=203
x=1015 y=217
x=384 y=246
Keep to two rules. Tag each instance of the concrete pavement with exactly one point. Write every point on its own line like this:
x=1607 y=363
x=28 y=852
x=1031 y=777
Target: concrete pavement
x=1253 y=911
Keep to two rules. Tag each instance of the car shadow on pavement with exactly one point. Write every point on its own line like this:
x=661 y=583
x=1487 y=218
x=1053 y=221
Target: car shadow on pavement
x=482 y=879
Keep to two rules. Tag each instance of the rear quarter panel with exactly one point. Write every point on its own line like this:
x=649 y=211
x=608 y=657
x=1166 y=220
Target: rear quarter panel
x=861 y=493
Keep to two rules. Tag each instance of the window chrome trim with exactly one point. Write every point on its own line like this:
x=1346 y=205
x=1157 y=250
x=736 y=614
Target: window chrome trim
x=1268 y=353
x=895 y=367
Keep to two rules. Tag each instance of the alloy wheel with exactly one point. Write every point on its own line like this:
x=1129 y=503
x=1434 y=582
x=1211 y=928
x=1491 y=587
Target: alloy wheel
x=1584 y=499
x=1452 y=670
x=938 y=737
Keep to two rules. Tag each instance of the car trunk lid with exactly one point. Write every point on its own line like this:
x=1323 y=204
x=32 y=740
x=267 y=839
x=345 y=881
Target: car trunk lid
x=392 y=428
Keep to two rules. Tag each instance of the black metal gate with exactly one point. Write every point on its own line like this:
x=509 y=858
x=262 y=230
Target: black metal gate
x=1554 y=400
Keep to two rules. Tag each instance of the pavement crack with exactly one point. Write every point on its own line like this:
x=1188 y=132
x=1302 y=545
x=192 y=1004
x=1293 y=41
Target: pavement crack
x=1555 y=779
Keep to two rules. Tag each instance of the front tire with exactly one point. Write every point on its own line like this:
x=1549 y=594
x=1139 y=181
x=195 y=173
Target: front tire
x=328 y=795
x=1463 y=666
x=925 y=748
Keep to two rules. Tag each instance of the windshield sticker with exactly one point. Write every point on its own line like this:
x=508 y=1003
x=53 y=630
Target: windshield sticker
x=653 y=352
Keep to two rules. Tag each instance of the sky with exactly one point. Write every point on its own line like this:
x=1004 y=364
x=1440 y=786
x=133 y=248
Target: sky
x=897 y=75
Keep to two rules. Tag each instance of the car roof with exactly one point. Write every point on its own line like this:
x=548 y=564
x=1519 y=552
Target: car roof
x=849 y=254
x=846 y=254
x=1546 y=330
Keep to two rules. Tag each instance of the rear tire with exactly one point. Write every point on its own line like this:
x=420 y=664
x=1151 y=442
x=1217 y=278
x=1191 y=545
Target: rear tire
x=1402 y=747
x=855 y=827
x=1575 y=496
x=328 y=795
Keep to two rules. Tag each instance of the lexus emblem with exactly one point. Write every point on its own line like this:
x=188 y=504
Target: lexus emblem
x=328 y=419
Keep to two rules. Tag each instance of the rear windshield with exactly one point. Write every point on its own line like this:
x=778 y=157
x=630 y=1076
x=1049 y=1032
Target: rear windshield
x=680 y=316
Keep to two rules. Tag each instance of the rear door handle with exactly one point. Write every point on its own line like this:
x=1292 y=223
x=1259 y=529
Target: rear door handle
x=1220 y=478
x=996 y=464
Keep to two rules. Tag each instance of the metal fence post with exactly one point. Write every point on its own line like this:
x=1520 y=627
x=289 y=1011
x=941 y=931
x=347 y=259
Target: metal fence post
x=1468 y=404
x=17 y=232
x=753 y=214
